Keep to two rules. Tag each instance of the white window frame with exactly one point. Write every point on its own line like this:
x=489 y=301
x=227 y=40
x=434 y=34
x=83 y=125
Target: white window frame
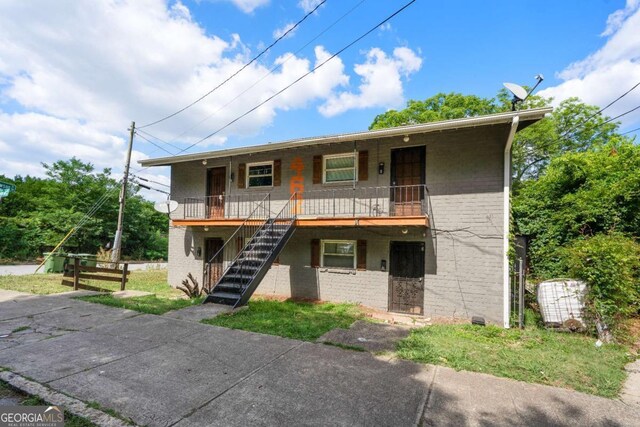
x=250 y=165
x=355 y=252
x=337 y=156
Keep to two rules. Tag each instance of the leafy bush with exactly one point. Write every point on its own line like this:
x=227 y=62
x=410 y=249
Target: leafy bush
x=610 y=265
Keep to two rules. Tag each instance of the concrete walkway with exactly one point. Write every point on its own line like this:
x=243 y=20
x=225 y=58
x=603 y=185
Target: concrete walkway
x=163 y=371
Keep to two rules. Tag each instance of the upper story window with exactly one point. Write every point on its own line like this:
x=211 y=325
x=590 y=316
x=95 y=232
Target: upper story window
x=260 y=174
x=339 y=168
x=339 y=253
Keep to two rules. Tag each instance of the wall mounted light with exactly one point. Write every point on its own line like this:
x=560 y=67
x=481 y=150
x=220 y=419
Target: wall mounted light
x=199 y=252
x=231 y=177
x=405 y=230
x=383 y=265
x=204 y=162
x=406 y=138
x=381 y=168
x=206 y=229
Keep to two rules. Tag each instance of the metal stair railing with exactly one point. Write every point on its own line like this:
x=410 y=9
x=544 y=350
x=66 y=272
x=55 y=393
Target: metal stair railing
x=234 y=245
x=273 y=231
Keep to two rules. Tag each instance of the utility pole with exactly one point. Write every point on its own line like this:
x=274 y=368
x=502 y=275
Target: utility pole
x=117 y=242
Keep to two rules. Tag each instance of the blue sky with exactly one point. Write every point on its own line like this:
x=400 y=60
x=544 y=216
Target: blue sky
x=74 y=74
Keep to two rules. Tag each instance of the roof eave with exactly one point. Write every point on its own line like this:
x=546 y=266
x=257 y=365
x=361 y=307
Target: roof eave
x=493 y=119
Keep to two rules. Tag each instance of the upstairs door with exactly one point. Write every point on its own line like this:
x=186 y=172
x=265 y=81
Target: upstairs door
x=213 y=270
x=216 y=179
x=406 y=277
x=407 y=181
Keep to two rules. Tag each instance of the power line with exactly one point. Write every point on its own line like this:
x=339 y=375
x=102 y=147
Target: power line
x=153 y=143
x=150 y=180
x=274 y=68
x=602 y=109
x=301 y=77
x=630 y=131
x=255 y=58
x=159 y=139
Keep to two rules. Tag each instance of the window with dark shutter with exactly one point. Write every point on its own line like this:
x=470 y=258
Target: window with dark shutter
x=362 y=255
x=277 y=172
x=242 y=175
x=317 y=169
x=315 y=253
x=363 y=165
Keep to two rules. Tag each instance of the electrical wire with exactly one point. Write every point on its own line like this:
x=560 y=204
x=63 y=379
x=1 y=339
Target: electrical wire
x=601 y=110
x=630 y=131
x=159 y=139
x=301 y=77
x=560 y=138
x=150 y=180
x=153 y=143
x=255 y=58
x=271 y=71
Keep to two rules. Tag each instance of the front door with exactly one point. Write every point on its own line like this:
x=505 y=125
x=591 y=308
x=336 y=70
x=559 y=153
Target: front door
x=213 y=270
x=407 y=181
x=406 y=277
x=216 y=178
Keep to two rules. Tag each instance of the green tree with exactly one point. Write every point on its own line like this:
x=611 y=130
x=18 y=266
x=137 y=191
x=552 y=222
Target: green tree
x=42 y=211
x=573 y=126
x=580 y=194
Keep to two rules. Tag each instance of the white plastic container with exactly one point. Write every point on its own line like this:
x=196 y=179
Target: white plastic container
x=561 y=303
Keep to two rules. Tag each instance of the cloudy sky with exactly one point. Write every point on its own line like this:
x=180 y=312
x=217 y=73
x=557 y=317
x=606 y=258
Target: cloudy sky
x=74 y=74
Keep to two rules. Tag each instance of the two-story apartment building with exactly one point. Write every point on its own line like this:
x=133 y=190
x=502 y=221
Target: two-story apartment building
x=412 y=219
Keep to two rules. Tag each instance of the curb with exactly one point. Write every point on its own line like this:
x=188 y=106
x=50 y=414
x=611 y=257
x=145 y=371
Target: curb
x=69 y=404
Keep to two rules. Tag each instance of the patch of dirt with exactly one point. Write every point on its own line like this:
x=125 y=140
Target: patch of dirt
x=631 y=334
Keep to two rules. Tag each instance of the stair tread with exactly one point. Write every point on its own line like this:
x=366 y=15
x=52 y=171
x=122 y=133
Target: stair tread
x=229 y=295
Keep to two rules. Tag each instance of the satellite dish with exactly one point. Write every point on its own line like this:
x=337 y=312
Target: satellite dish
x=518 y=91
x=166 y=207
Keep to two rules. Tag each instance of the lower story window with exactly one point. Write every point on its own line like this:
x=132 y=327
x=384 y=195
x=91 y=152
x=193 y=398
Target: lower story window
x=339 y=253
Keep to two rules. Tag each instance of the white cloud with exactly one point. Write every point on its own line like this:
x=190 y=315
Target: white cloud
x=308 y=5
x=381 y=82
x=80 y=73
x=279 y=32
x=248 y=6
x=617 y=18
x=386 y=26
x=610 y=71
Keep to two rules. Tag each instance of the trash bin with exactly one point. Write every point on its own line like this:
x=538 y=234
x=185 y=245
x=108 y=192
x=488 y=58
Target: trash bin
x=88 y=260
x=55 y=263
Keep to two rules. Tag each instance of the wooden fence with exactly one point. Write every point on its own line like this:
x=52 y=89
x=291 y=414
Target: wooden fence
x=77 y=272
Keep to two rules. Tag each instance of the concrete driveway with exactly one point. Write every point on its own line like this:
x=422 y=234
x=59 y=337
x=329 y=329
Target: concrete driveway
x=162 y=371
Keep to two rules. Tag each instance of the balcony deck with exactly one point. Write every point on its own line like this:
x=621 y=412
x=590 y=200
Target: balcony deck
x=335 y=207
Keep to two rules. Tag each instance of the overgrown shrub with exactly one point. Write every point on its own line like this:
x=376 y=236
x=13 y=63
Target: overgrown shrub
x=610 y=265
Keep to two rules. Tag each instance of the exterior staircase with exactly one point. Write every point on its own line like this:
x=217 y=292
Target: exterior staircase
x=265 y=238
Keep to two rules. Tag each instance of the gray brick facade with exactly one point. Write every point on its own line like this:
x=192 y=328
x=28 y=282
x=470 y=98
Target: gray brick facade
x=464 y=243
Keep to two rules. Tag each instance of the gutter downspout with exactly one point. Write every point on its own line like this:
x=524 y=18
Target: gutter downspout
x=506 y=218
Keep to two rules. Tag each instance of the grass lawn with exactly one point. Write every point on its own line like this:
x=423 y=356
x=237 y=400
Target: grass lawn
x=289 y=319
x=154 y=281
x=6 y=392
x=150 y=304
x=533 y=355
x=165 y=297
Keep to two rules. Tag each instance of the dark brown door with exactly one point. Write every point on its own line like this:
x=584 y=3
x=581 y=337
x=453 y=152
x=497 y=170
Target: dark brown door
x=216 y=178
x=406 y=277
x=407 y=181
x=213 y=270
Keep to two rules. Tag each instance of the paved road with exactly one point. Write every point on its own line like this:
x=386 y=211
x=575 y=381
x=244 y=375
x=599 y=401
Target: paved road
x=21 y=270
x=163 y=371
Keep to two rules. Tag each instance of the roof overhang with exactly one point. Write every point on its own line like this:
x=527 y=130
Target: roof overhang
x=527 y=117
